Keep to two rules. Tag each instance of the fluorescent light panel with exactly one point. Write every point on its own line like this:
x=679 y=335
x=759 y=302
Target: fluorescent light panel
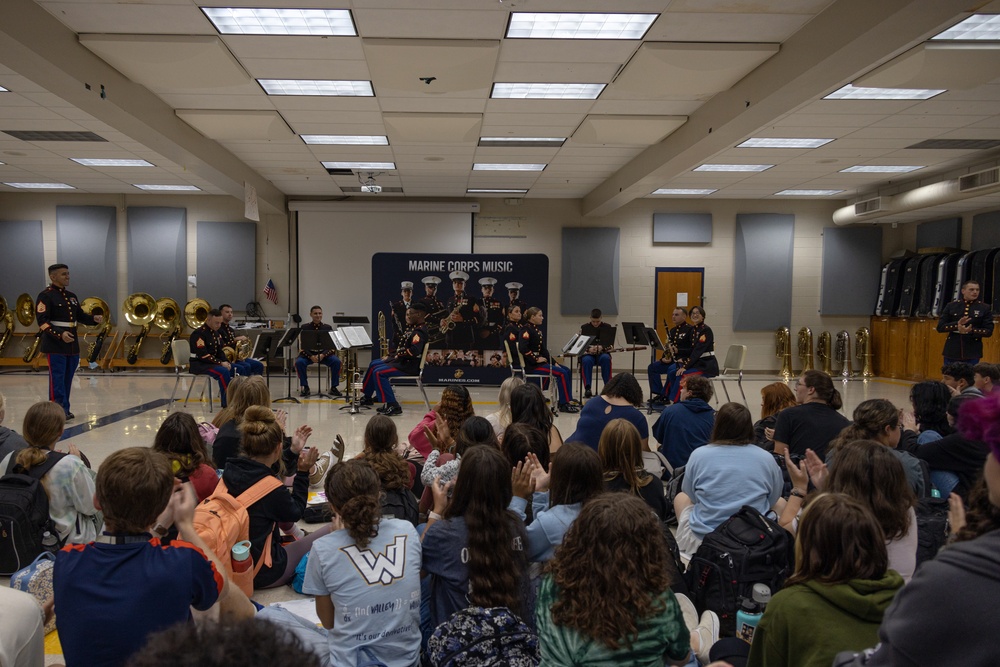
x=556 y=25
x=329 y=88
x=781 y=142
x=850 y=92
x=523 y=142
x=360 y=165
x=976 y=27
x=879 y=169
x=346 y=139
x=478 y=191
x=266 y=21
x=734 y=167
x=110 y=162
x=493 y=166
x=807 y=193
x=3 y=90
x=166 y=188
x=41 y=186
x=685 y=191
x=547 y=91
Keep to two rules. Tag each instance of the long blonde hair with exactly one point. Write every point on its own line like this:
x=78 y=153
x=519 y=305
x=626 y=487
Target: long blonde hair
x=508 y=386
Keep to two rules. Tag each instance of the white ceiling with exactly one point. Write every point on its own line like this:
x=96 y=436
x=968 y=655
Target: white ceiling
x=709 y=74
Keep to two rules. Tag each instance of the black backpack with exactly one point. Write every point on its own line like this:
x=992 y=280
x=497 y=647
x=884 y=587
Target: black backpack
x=747 y=549
x=401 y=504
x=932 y=527
x=25 y=527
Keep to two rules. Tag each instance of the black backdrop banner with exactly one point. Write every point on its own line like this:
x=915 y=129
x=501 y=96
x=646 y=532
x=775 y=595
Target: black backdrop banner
x=469 y=351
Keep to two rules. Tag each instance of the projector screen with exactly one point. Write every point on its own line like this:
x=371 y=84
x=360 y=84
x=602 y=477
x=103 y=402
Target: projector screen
x=335 y=248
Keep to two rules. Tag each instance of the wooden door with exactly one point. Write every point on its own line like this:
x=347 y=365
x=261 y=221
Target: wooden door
x=916 y=348
x=676 y=287
x=880 y=346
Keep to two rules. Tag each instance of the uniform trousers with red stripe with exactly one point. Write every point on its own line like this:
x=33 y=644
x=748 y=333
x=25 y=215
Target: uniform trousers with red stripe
x=376 y=382
x=221 y=374
x=62 y=368
x=560 y=375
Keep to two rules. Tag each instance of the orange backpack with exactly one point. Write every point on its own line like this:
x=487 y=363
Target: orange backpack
x=222 y=520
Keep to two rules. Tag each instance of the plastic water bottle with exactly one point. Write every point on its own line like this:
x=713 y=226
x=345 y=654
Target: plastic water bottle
x=750 y=611
x=241 y=556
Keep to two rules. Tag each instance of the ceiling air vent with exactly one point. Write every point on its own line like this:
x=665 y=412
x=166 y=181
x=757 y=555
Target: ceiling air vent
x=957 y=144
x=357 y=189
x=339 y=172
x=980 y=179
x=47 y=135
x=867 y=206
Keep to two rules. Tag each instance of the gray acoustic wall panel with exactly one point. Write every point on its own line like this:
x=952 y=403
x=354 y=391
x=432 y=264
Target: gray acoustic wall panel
x=228 y=276
x=762 y=280
x=945 y=233
x=682 y=228
x=986 y=231
x=590 y=266
x=22 y=268
x=852 y=269
x=157 y=251
x=87 y=240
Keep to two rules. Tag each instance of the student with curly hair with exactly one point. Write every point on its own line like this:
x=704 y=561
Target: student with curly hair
x=620 y=399
x=178 y=437
x=454 y=407
x=605 y=598
x=393 y=472
x=930 y=411
x=365 y=575
x=473 y=546
x=835 y=599
x=620 y=451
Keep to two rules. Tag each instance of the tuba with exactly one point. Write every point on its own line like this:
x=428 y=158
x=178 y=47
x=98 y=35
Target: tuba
x=383 y=342
x=196 y=312
x=139 y=310
x=7 y=315
x=806 y=348
x=843 y=354
x=93 y=305
x=26 y=316
x=825 y=352
x=168 y=318
x=783 y=350
x=863 y=351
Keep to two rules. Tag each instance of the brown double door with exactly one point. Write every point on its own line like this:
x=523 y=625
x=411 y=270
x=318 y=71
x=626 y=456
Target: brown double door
x=676 y=287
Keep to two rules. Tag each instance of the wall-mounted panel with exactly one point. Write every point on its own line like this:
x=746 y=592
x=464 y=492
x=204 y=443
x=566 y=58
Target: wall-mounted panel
x=87 y=240
x=945 y=233
x=157 y=251
x=22 y=268
x=682 y=227
x=986 y=231
x=852 y=269
x=229 y=276
x=762 y=275
x=590 y=267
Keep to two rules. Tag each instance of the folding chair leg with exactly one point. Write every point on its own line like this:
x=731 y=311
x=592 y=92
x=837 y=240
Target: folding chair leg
x=725 y=389
x=739 y=383
x=177 y=381
x=187 y=396
x=208 y=382
x=423 y=390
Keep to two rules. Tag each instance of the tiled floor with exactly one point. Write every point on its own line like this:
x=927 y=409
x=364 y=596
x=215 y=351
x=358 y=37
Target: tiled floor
x=125 y=409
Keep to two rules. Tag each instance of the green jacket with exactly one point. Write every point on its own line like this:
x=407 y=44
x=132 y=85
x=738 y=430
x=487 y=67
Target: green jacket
x=807 y=624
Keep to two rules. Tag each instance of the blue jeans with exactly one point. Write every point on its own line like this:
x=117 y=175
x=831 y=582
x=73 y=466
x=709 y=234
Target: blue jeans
x=944 y=481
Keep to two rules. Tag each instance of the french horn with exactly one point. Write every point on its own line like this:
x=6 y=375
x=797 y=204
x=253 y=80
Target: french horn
x=783 y=350
x=7 y=315
x=92 y=306
x=25 y=308
x=168 y=318
x=825 y=352
x=805 y=343
x=139 y=310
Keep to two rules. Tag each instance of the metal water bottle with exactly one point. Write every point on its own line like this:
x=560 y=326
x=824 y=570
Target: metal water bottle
x=750 y=611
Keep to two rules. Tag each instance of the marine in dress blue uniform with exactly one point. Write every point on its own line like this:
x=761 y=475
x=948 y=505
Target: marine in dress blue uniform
x=435 y=311
x=538 y=360
x=405 y=360
x=399 y=312
x=595 y=354
x=702 y=360
x=248 y=366
x=494 y=317
x=679 y=344
x=465 y=313
x=58 y=311
x=207 y=357
x=967 y=322
x=328 y=356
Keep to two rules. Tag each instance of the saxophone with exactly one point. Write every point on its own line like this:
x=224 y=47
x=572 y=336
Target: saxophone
x=844 y=354
x=863 y=351
x=824 y=351
x=783 y=350
x=806 y=348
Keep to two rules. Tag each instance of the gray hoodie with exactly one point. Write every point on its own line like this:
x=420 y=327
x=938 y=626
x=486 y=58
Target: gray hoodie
x=9 y=442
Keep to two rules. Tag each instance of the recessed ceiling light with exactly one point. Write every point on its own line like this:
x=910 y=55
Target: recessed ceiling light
x=317 y=87
x=493 y=166
x=556 y=25
x=478 y=191
x=360 y=165
x=976 y=27
x=346 y=139
x=264 y=21
x=685 y=191
x=166 y=188
x=807 y=193
x=734 y=167
x=547 y=91
x=110 y=162
x=523 y=142
x=41 y=186
x=850 y=92
x=776 y=142
x=880 y=169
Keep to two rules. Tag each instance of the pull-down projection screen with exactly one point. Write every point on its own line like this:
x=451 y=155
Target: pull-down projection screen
x=336 y=244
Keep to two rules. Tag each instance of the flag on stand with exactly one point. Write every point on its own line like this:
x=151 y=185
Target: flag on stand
x=270 y=292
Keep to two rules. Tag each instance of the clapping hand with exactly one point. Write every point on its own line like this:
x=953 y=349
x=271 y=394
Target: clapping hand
x=540 y=475
x=300 y=437
x=817 y=469
x=522 y=478
x=439 y=491
x=798 y=473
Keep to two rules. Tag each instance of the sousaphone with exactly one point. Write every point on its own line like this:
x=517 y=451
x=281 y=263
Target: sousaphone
x=196 y=312
x=139 y=310
x=92 y=306
x=25 y=308
x=168 y=318
x=8 y=317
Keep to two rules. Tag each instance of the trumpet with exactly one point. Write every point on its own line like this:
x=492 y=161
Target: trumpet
x=806 y=348
x=783 y=350
x=863 y=351
x=824 y=351
x=139 y=309
x=8 y=317
x=844 y=354
x=168 y=315
x=93 y=305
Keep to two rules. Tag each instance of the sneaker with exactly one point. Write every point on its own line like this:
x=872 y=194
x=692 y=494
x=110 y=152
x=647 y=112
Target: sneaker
x=320 y=467
x=568 y=408
x=708 y=633
x=335 y=392
x=688 y=611
x=304 y=391
x=392 y=410
x=587 y=393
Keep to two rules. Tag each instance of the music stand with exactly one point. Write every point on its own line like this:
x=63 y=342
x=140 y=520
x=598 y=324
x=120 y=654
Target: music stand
x=284 y=344
x=352 y=338
x=635 y=335
x=654 y=345
x=573 y=348
x=314 y=342
x=262 y=347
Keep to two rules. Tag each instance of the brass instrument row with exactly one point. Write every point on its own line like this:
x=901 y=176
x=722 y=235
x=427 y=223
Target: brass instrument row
x=826 y=351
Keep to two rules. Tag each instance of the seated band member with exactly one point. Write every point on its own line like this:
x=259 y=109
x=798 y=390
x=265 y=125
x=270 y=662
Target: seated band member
x=595 y=353
x=207 y=357
x=465 y=315
x=248 y=366
x=679 y=342
x=538 y=360
x=327 y=356
x=405 y=360
x=702 y=361
x=511 y=334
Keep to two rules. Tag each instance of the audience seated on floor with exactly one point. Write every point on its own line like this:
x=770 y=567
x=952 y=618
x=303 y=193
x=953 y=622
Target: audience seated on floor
x=393 y=472
x=619 y=399
x=687 y=424
x=110 y=595
x=179 y=439
x=527 y=406
x=474 y=431
x=814 y=422
x=9 y=439
x=929 y=419
x=774 y=398
x=501 y=418
x=955 y=462
x=620 y=451
x=22 y=633
x=454 y=407
x=986 y=377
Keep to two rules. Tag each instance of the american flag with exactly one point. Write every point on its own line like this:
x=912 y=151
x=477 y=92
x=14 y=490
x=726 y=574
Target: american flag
x=270 y=292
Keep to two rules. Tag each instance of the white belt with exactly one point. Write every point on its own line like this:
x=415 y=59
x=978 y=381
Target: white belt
x=63 y=324
x=708 y=354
